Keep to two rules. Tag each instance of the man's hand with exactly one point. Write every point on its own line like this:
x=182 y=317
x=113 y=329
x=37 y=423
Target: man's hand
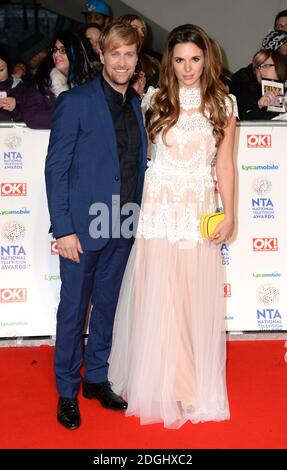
x=69 y=247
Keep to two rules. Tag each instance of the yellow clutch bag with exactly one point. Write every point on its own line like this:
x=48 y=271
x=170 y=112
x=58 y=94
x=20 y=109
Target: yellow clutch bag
x=209 y=222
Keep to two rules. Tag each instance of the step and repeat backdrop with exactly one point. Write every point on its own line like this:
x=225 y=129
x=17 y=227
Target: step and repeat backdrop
x=256 y=260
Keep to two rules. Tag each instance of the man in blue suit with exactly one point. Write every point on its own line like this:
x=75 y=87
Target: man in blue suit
x=95 y=165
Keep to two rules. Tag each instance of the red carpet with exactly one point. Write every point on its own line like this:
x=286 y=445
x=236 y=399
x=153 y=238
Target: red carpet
x=257 y=385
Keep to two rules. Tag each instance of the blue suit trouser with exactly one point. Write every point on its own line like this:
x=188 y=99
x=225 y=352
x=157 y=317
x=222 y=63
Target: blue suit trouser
x=97 y=278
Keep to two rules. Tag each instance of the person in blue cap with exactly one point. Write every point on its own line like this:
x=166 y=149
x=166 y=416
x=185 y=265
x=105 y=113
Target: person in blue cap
x=97 y=11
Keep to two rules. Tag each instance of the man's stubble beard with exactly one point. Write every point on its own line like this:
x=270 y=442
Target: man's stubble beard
x=113 y=80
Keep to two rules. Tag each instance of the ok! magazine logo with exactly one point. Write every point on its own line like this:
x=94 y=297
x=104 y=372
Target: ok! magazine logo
x=54 y=248
x=13 y=189
x=227 y=289
x=259 y=140
x=14 y=294
x=265 y=244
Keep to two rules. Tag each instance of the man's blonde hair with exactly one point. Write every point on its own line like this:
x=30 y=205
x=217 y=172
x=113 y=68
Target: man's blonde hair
x=116 y=34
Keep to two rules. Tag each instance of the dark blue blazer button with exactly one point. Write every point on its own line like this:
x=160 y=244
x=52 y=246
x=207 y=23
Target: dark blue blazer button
x=117 y=178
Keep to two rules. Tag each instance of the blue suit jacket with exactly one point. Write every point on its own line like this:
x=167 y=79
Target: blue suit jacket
x=82 y=165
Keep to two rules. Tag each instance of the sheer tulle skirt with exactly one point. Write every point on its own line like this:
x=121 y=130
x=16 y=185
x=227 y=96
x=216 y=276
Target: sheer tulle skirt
x=168 y=355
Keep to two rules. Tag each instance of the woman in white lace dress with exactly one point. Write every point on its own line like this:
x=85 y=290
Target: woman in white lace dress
x=168 y=354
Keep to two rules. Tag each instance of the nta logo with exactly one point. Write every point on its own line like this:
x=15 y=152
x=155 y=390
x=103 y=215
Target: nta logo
x=12 y=141
x=262 y=186
x=259 y=140
x=267 y=294
x=13 y=232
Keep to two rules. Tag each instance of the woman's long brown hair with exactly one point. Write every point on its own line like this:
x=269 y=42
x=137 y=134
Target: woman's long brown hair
x=164 y=112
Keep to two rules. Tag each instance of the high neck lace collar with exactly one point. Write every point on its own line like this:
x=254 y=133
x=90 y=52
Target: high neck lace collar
x=189 y=98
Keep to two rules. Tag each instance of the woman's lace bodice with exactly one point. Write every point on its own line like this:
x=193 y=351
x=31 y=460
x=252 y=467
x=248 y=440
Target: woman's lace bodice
x=179 y=177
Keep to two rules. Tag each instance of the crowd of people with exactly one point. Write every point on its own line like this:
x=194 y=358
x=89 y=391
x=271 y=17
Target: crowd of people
x=30 y=87
x=73 y=58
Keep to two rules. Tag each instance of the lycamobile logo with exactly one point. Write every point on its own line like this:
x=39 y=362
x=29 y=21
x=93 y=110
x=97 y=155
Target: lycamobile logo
x=270 y=166
x=15 y=212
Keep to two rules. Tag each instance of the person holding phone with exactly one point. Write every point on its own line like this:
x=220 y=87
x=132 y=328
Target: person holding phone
x=12 y=92
x=252 y=105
